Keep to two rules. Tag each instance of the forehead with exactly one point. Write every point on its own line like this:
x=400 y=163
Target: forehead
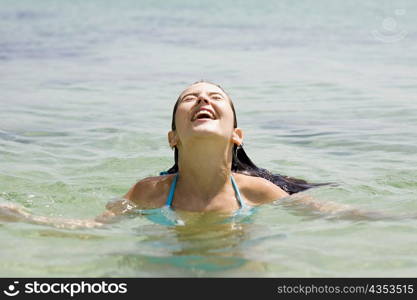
x=202 y=87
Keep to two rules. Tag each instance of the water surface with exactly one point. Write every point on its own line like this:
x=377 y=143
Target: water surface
x=87 y=90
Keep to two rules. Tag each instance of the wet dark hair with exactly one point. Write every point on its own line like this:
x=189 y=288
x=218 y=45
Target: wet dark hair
x=241 y=163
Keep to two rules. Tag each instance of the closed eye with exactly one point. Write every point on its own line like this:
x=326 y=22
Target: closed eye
x=189 y=98
x=216 y=96
x=194 y=96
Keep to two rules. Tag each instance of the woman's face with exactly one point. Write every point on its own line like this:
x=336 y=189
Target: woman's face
x=203 y=110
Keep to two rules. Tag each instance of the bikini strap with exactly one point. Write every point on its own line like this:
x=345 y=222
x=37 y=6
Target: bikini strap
x=171 y=191
x=174 y=183
x=239 y=197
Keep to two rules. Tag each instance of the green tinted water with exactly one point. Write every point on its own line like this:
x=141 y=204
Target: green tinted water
x=87 y=91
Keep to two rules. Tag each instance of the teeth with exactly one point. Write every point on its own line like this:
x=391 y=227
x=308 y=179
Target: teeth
x=203 y=112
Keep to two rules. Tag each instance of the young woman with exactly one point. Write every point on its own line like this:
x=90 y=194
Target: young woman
x=212 y=172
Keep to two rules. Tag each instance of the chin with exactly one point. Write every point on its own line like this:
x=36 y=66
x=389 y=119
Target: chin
x=205 y=131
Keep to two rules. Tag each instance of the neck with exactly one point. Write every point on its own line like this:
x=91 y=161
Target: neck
x=204 y=169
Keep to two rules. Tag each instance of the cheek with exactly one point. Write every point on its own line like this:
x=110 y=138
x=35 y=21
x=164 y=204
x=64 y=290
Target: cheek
x=181 y=117
x=228 y=116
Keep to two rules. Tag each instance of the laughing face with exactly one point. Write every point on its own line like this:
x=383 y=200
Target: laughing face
x=203 y=110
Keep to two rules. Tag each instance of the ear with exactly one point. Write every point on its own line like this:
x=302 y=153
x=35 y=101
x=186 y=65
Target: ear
x=237 y=137
x=172 y=139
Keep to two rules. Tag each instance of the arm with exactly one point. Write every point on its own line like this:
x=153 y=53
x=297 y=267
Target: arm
x=333 y=210
x=114 y=210
x=136 y=197
x=16 y=213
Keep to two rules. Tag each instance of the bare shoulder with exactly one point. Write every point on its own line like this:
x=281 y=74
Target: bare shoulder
x=150 y=192
x=258 y=190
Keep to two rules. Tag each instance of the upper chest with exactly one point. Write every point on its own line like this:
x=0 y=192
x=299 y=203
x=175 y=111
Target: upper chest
x=158 y=190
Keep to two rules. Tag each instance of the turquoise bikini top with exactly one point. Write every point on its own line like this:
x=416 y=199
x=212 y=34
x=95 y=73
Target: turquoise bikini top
x=168 y=203
x=167 y=216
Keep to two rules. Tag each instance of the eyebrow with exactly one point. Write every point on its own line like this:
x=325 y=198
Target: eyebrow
x=213 y=93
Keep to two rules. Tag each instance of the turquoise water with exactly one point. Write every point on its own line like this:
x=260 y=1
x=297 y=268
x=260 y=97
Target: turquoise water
x=324 y=90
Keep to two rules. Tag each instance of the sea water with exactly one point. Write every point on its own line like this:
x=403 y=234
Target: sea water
x=324 y=91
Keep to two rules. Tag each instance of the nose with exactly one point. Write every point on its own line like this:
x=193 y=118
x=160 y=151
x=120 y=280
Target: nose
x=203 y=97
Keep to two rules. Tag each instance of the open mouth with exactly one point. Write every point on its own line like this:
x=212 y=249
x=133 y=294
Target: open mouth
x=203 y=115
